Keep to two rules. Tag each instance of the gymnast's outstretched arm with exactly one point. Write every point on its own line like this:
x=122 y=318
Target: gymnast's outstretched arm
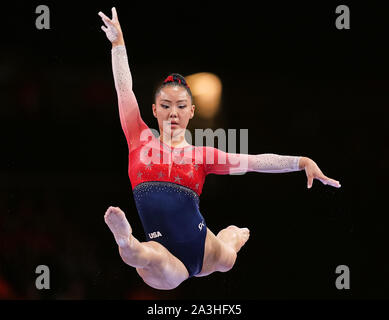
x=130 y=118
x=220 y=162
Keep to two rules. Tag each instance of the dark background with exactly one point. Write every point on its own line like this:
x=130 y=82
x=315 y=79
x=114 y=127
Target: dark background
x=298 y=84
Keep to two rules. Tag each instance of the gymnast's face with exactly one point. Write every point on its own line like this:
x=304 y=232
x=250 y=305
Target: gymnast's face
x=173 y=108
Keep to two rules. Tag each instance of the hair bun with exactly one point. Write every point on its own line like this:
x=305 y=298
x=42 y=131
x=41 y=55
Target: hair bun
x=175 y=77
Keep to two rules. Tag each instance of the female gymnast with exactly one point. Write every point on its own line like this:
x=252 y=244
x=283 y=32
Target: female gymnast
x=167 y=176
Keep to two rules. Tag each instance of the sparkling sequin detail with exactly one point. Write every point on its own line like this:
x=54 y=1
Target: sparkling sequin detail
x=150 y=186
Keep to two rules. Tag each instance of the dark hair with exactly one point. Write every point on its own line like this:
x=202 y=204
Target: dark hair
x=174 y=79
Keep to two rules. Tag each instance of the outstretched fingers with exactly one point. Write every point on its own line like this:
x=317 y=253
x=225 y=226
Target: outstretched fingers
x=114 y=14
x=103 y=16
x=107 y=21
x=325 y=180
x=310 y=182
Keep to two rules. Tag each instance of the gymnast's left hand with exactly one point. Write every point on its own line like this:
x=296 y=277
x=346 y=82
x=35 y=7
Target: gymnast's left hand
x=112 y=28
x=313 y=172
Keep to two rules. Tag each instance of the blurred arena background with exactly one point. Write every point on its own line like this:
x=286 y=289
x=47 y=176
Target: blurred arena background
x=284 y=72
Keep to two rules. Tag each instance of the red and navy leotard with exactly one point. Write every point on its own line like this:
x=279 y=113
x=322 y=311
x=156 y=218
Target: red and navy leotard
x=168 y=181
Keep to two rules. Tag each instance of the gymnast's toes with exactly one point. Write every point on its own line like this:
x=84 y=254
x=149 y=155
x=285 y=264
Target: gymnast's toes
x=113 y=210
x=245 y=233
x=119 y=226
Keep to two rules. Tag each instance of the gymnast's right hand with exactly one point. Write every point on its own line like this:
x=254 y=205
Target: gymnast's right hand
x=112 y=30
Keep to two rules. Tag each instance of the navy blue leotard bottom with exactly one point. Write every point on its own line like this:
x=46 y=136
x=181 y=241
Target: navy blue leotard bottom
x=170 y=215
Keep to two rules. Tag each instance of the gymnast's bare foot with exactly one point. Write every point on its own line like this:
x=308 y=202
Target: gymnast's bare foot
x=119 y=226
x=234 y=237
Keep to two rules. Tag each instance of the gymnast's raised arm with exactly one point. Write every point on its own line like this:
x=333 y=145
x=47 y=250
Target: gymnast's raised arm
x=220 y=162
x=130 y=118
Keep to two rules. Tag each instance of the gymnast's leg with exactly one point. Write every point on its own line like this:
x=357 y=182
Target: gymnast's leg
x=153 y=262
x=220 y=251
x=233 y=237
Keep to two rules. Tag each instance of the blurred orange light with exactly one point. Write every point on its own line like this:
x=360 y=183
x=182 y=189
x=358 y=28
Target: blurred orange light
x=206 y=90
